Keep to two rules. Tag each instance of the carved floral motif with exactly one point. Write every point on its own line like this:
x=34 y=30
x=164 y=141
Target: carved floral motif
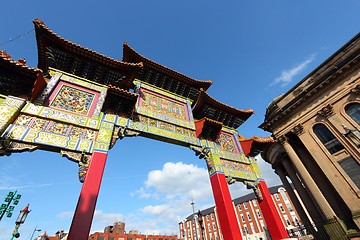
x=236 y=166
x=63 y=129
x=227 y=143
x=163 y=106
x=73 y=99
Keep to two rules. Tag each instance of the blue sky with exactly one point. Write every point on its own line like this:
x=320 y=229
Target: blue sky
x=253 y=51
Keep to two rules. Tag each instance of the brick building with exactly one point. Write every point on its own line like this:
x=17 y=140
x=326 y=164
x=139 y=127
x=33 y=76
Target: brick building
x=249 y=217
x=117 y=232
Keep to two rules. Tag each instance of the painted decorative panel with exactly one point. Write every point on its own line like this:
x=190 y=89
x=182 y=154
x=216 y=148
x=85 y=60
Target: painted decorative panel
x=74 y=94
x=238 y=170
x=9 y=108
x=57 y=115
x=44 y=131
x=73 y=99
x=229 y=147
x=227 y=143
x=163 y=130
x=164 y=106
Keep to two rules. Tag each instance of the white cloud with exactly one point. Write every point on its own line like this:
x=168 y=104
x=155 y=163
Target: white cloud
x=270 y=177
x=68 y=214
x=287 y=76
x=179 y=179
x=168 y=193
x=25 y=186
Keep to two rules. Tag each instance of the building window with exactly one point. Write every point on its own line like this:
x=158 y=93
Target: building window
x=209 y=228
x=282 y=209
x=254 y=201
x=214 y=226
x=331 y=143
x=212 y=216
x=207 y=217
x=239 y=207
x=242 y=218
x=276 y=197
x=262 y=224
x=248 y=216
x=283 y=194
x=287 y=220
x=246 y=230
x=258 y=213
x=245 y=205
x=353 y=110
x=252 y=228
x=111 y=238
x=352 y=169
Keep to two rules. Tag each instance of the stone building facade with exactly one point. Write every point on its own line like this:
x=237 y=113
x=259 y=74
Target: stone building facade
x=316 y=128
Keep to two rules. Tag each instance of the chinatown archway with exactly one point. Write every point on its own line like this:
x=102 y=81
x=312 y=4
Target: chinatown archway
x=79 y=103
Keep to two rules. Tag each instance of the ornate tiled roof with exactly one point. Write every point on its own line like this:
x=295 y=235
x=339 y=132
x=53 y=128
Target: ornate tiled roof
x=207 y=128
x=254 y=145
x=208 y=107
x=16 y=78
x=119 y=101
x=57 y=52
x=164 y=77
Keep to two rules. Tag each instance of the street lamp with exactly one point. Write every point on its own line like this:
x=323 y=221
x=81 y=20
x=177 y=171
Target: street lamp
x=35 y=229
x=20 y=220
x=5 y=208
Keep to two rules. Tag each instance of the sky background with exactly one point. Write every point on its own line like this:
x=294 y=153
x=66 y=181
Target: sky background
x=253 y=51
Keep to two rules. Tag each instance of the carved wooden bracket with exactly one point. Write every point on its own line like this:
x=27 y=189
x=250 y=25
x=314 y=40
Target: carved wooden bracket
x=202 y=152
x=254 y=186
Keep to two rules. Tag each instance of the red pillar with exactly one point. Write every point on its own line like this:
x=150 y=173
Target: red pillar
x=272 y=218
x=81 y=223
x=225 y=209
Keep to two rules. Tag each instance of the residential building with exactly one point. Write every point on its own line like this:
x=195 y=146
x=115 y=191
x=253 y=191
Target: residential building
x=249 y=215
x=117 y=232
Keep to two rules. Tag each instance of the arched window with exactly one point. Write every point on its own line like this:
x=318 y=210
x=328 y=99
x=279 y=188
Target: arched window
x=331 y=143
x=353 y=110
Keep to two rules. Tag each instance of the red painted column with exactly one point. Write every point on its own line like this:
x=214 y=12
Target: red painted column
x=225 y=209
x=81 y=223
x=272 y=218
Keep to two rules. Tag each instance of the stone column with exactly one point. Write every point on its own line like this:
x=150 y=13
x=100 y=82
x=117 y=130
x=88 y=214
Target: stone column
x=309 y=182
x=299 y=208
x=305 y=197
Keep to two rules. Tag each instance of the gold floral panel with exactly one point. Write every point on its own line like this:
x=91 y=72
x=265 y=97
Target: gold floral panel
x=227 y=143
x=164 y=106
x=74 y=99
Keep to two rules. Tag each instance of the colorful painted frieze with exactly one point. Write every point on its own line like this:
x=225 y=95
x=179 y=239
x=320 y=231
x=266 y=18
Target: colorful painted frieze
x=9 y=109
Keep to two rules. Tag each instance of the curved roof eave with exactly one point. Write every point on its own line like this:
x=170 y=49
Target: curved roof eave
x=19 y=65
x=42 y=32
x=205 y=98
x=130 y=55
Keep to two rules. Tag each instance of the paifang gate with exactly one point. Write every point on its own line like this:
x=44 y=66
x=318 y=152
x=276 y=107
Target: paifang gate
x=79 y=103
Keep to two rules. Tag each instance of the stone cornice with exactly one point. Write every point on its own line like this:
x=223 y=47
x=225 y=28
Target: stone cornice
x=307 y=95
